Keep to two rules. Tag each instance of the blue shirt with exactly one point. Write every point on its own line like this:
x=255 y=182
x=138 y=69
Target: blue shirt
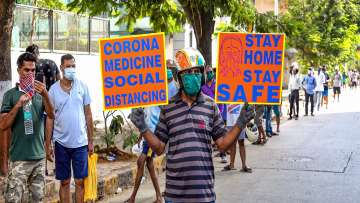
x=152 y=114
x=309 y=83
x=70 y=125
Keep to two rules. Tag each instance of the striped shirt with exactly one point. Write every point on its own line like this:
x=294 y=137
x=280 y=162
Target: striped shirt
x=189 y=130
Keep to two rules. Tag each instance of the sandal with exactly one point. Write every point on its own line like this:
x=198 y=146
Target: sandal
x=246 y=170
x=228 y=168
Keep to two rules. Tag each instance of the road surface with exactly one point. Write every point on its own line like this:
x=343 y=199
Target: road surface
x=315 y=159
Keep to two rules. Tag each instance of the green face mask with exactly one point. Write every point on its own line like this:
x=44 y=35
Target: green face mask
x=192 y=83
x=209 y=76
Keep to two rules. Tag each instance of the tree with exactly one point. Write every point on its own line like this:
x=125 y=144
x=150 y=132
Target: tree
x=325 y=32
x=169 y=15
x=6 y=24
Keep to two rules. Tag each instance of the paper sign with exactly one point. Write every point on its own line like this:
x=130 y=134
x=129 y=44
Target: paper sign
x=133 y=71
x=249 y=68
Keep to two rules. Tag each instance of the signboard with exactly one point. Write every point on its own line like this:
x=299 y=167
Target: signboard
x=133 y=71
x=249 y=68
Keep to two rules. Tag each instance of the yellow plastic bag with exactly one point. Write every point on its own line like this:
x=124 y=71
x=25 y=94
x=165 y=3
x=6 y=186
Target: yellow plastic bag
x=90 y=182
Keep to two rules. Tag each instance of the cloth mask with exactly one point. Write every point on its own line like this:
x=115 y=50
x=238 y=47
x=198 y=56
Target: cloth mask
x=70 y=73
x=169 y=74
x=191 y=83
x=209 y=76
x=26 y=83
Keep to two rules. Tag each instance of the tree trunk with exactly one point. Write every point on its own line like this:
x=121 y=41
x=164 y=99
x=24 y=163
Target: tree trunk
x=203 y=24
x=204 y=42
x=6 y=24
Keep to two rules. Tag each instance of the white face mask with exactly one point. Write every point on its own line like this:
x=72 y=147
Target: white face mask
x=70 y=73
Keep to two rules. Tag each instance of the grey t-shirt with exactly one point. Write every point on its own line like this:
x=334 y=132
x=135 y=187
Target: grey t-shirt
x=337 y=80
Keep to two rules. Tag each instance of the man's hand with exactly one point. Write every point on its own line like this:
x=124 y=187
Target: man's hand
x=40 y=87
x=137 y=116
x=90 y=147
x=245 y=116
x=23 y=100
x=49 y=153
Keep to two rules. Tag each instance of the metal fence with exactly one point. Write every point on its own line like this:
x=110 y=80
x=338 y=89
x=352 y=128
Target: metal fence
x=57 y=31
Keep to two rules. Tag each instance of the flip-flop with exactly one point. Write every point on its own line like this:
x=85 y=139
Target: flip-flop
x=227 y=168
x=246 y=170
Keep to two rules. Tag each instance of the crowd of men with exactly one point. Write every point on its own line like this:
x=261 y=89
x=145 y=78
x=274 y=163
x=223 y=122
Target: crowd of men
x=316 y=84
x=50 y=118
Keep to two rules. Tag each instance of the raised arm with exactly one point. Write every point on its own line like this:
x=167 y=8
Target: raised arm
x=7 y=118
x=137 y=116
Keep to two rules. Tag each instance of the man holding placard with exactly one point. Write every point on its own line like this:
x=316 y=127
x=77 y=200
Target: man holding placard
x=188 y=124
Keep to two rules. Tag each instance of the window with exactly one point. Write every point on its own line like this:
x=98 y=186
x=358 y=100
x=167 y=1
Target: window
x=65 y=31
x=31 y=26
x=56 y=30
x=99 y=29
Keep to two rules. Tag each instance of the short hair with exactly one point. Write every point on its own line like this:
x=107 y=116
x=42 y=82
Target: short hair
x=34 y=49
x=66 y=57
x=27 y=56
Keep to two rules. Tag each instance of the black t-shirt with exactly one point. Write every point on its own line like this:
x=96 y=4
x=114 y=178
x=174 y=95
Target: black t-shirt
x=50 y=70
x=326 y=84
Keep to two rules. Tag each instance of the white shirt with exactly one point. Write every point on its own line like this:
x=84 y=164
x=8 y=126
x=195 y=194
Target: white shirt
x=232 y=114
x=294 y=82
x=320 y=80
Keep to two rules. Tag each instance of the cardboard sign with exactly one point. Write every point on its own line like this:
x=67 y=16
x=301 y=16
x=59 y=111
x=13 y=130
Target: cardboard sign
x=133 y=71
x=249 y=68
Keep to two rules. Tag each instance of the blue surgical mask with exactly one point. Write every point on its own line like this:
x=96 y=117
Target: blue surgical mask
x=172 y=89
x=70 y=73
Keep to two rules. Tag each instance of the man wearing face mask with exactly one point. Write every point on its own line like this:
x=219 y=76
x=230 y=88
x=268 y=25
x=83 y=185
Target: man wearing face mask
x=188 y=124
x=151 y=118
x=294 y=87
x=309 y=83
x=325 y=99
x=22 y=110
x=72 y=130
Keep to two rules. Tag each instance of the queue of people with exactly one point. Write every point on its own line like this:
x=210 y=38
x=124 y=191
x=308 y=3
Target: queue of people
x=51 y=119
x=316 y=84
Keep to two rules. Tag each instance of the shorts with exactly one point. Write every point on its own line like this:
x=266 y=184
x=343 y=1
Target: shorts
x=354 y=84
x=276 y=110
x=242 y=134
x=147 y=150
x=67 y=157
x=326 y=93
x=26 y=176
x=337 y=90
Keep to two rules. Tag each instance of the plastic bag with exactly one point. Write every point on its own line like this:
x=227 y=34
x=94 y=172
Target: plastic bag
x=90 y=182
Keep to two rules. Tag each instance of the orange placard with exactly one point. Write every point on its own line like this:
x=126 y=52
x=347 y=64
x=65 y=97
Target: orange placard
x=249 y=68
x=133 y=71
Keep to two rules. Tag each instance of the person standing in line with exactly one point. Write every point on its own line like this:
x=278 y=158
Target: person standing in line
x=151 y=118
x=337 y=80
x=344 y=80
x=50 y=72
x=48 y=67
x=188 y=124
x=325 y=99
x=21 y=111
x=232 y=114
x=258 y=120
x=309 y=83
x=72 y=130
x=319 y=89
x=209 y=89
x=294 y=87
